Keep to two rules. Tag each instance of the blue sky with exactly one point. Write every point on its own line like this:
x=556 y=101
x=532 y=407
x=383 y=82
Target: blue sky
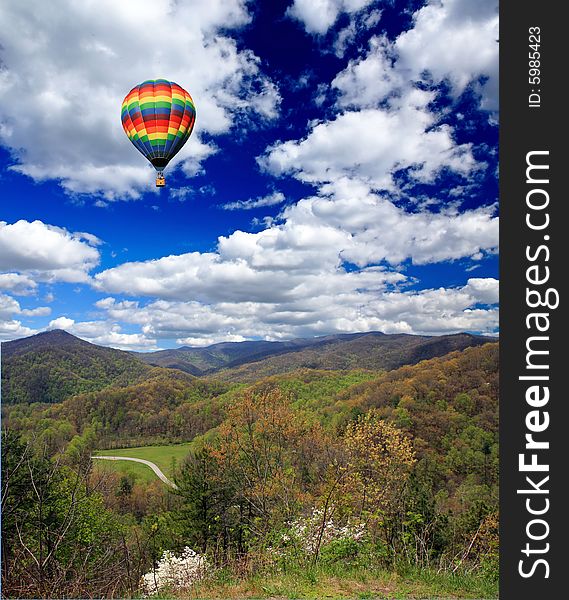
x=341 y=177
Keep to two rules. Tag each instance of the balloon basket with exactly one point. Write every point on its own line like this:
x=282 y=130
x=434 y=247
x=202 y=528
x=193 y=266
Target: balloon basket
x=160 y=181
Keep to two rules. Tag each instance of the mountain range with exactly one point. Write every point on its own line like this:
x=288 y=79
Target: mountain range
x=51 y=366
x=370 y=350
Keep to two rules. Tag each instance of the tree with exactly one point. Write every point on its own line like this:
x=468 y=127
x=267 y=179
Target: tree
x=58 y=539
x=259 y=444
x=207 y=501
x=380 y=458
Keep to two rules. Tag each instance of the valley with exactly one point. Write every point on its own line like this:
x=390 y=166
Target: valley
x=387 y=445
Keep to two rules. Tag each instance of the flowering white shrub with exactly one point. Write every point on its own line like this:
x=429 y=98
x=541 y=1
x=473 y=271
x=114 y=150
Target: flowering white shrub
x=175 y=572
x=307 y=531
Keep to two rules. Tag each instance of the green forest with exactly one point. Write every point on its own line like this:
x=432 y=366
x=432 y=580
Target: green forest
x=360 y=482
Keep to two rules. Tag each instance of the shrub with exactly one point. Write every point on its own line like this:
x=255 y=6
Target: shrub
x=315 y=531
x=175 y=572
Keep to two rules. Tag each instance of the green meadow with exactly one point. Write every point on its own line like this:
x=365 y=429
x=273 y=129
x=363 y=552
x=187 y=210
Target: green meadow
x=165 y=457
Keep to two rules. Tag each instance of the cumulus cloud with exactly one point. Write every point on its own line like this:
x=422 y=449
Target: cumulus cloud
x=210 y=279
x=68 y=65
x=10 y=306
x=306 y=254
x=104 y=333
x=61 y=323
x=269 y=200
x=349 y=223
x=486 y=290
x=368 y=80
x=18 y=284
x=35 y=252
x=40 y=311
x=384 y=123
x=215 y=338
x=453 y=40
x=371 y=144
x=44 y=252
x=11 y=328
x=358 y=22
x=430 y=312
x=318 y=16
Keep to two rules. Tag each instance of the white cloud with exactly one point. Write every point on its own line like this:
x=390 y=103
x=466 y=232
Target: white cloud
x=380 y=231
x=211 y=339
x=269 y=200
x=21 y=285
x=452 y=40
x=358 y=22
x=431 y=311
x=67 y=66
x=61 y=323
x=365 y=82
x=104 y=333
x=455 y=40
x=11 y=328
x=318 y=16
x=45 y=252
x=434 y=312
x=32 y=252
x=485 y=290
x=350 y=223
x=105 y=303
x=40 y=311
x=306 y=254
x=371 y=144
x=10 y=306
x=213 y=281
x=292 y=279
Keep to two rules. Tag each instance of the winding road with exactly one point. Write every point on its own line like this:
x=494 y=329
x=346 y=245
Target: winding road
x=154 y=467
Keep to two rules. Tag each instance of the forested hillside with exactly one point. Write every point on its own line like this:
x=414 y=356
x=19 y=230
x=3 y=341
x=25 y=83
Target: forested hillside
x=52 y=366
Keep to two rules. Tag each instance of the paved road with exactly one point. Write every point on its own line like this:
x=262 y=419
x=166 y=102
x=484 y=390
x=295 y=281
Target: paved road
x=154 y=467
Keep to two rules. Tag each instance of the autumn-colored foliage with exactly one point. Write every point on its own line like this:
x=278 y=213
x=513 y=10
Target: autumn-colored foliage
x=379 y=461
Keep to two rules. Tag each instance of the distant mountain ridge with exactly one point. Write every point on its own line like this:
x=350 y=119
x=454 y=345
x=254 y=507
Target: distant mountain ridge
x=54 y=365
x=208 y=359
x=369 y=350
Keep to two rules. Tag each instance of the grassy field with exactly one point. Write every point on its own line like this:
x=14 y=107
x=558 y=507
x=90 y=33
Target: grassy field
x=163 y=456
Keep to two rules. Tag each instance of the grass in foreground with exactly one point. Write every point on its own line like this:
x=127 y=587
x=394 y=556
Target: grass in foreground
x=352 y=584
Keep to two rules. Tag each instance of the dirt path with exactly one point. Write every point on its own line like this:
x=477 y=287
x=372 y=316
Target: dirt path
x=154 y=467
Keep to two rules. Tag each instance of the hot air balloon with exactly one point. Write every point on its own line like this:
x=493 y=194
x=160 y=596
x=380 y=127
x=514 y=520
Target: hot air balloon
x=158 y=117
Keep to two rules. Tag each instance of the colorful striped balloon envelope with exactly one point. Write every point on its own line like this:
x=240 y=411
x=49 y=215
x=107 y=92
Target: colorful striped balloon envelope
x=158 y=117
